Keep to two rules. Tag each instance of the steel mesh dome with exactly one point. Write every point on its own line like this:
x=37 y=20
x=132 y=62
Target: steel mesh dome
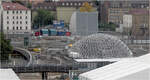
x=100 y=46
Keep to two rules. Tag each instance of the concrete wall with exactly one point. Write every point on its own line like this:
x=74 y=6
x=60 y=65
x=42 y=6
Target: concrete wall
x=84 y=23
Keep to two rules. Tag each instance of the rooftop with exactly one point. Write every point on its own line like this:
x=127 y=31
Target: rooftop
x=126 y=68
x=13 y=6
x=8 y=74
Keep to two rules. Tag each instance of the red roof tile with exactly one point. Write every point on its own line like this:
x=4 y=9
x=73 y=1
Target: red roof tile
x=13 y=6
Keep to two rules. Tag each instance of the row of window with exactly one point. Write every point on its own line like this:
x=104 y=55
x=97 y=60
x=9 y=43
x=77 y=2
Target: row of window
x=17 y=12
x=75 y=4
x=17 y=22
x=43 y=7
x=17 y=28
x=17 y=17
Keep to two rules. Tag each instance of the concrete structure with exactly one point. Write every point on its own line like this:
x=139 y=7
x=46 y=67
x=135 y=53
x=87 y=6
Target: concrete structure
x=100 y=46
x=84 y=23
x=132 y=69
x=16 y=18
x=8 y=74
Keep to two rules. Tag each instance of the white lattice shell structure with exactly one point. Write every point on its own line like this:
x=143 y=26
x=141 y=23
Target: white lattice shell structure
x=101 y=46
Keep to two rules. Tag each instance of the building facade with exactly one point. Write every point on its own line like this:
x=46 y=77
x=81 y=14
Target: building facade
x=140 y=28
x=84 y=24
x=66 y=8
x=127 y=20
x=116 y=9
x=16 y=18
x=127 y=23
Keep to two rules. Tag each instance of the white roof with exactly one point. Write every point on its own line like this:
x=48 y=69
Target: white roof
x=8 y=74
x=113 y=71
x=144 y=59
x=102 y=60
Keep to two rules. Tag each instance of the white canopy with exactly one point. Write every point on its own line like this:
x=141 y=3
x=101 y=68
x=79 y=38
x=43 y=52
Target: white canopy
x=133 y=69
x=8 y=74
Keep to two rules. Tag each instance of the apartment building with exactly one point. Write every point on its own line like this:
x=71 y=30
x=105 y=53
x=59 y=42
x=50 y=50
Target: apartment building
x=16 y=18
x=117 y=9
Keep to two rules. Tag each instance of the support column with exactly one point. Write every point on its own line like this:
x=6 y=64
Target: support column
x=44 y=76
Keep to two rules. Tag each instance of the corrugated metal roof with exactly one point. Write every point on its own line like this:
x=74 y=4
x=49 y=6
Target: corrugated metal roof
x=8 y=74
x=113 y=71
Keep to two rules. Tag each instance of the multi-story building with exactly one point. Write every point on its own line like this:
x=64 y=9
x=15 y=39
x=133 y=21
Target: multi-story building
x=116 y=9
x=65 y=9
x=16 y=18
x=115 y=15
x=140 y=22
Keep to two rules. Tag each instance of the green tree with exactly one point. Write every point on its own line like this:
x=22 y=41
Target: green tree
x=29 y=5
x=43 y=18
x=6 y=48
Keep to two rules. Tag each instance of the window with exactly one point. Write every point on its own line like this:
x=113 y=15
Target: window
x=20 y=28
x=20 y=17
x=26 y=22
x=91 y=4
x=17 y=12
x=13 y=17
x=79 y=4
x=13 y=12
x=7 y=28
x=13 y=22
x=71 y=4
x=63 y=4
x=7 y=17
x=26 y=27
x=7 y=22
x=17 y=27
x=20 y=22
x=13 y=28
x=26 y=12
x=17 y=22
x=75 y=4
x=20 y=12
x=7 y=12
x=17 y=17
x=26 y=17
x=45 y=7
x=67 y=4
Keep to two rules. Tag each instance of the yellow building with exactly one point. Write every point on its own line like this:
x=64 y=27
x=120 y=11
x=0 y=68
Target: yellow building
x=65 y=9
x=65 y=13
